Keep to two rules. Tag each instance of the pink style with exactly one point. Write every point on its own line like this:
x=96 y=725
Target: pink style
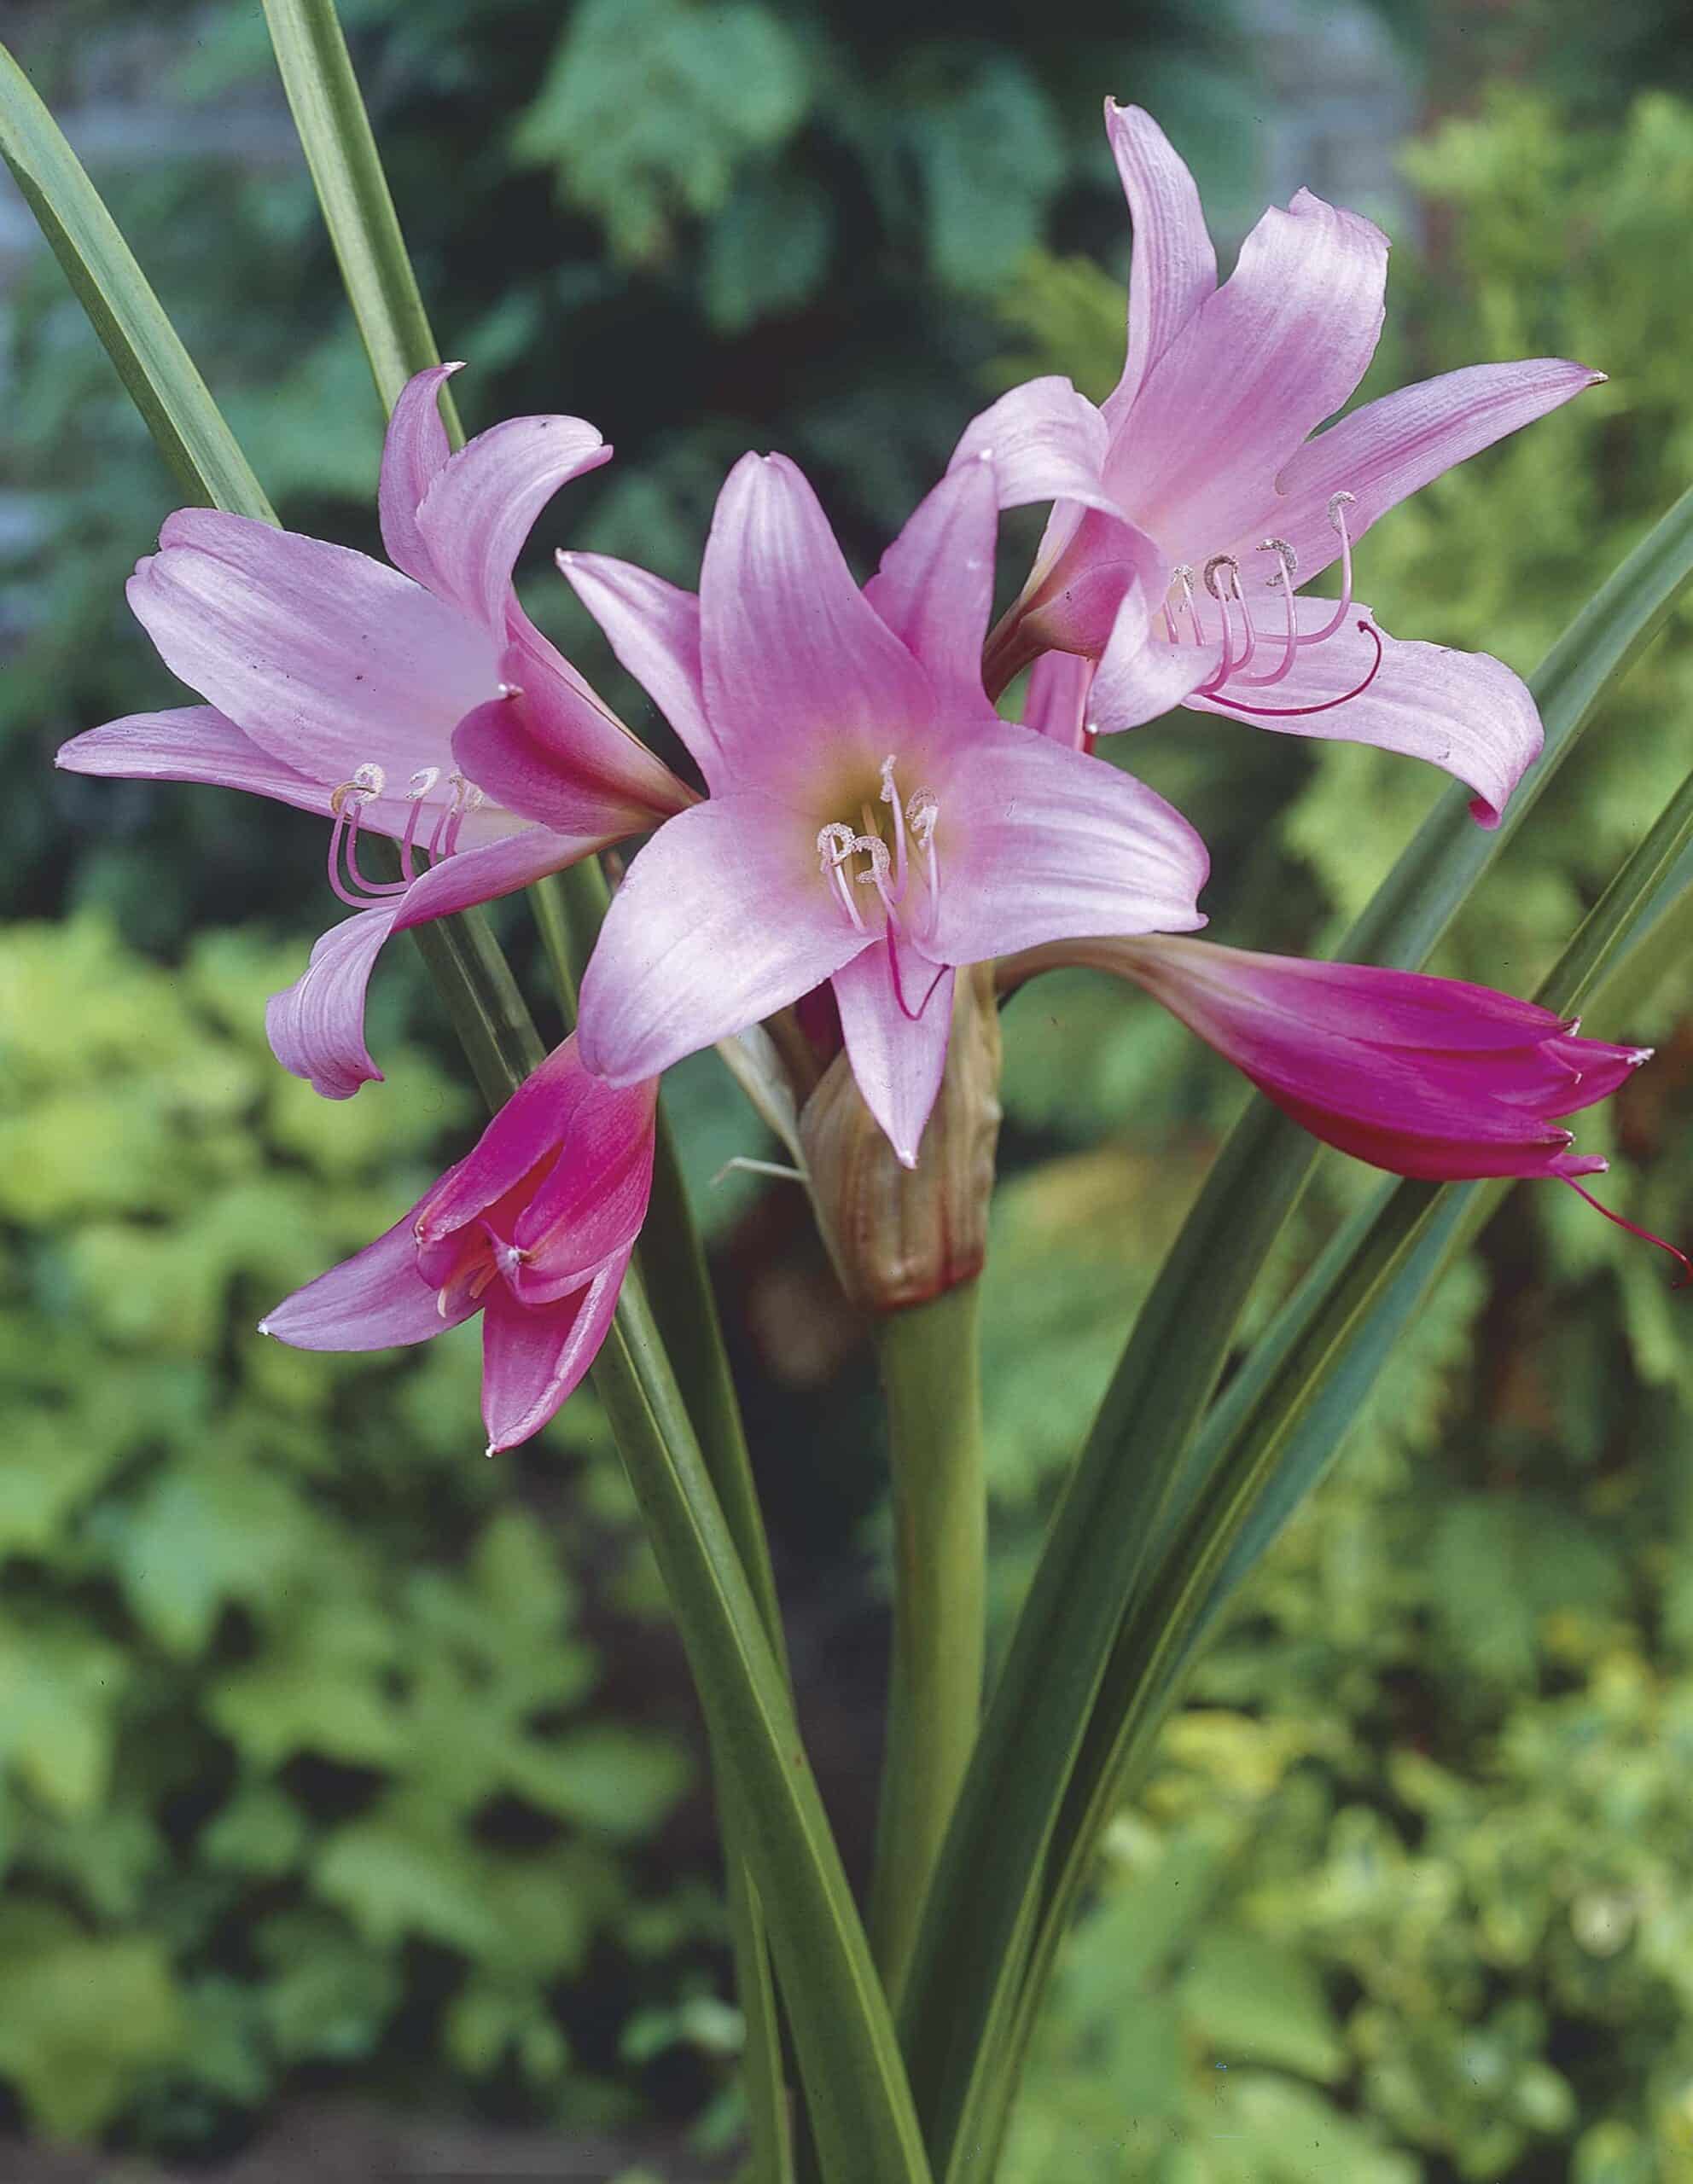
x=533 y=1228
x=368 y=693
x=871 y=820
x=1184 y=590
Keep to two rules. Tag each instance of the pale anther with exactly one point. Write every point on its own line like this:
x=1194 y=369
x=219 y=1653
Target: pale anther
x=1336 y=502
x=1285 y=554
x=1222 y=561
x=368 y=781
x=922 y=810
x=421 y=783
x=876 y=851
x=836 y=844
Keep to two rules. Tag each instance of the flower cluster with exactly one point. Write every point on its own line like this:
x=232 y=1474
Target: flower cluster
x=860 y=823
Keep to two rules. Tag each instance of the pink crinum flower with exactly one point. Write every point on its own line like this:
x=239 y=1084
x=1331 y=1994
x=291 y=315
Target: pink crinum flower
x=533 y=1228
x=871 y=822
x=367 y=694
x=1425 y=1077
x=1185 y=591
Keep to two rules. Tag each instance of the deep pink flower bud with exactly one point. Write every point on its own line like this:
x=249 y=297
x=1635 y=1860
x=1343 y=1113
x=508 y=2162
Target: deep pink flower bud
x=533 y=1228
x=1425 y=1077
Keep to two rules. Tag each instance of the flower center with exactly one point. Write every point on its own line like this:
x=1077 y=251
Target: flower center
x=897 y=848
x=348 y=804
x=1221 y=578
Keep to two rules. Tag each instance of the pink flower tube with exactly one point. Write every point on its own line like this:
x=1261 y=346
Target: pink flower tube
x=533 y=1228
x=1425 y=1077
x=1186 y=589
x=368 y=694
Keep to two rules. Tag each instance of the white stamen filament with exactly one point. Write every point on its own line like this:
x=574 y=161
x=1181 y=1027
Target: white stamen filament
x=890 y=872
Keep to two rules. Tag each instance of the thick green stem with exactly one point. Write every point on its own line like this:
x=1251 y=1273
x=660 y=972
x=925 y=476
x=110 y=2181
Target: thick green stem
x=931 y=1375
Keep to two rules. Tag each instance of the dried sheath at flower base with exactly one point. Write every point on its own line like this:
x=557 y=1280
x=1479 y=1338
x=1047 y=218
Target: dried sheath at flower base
x=898 y=1235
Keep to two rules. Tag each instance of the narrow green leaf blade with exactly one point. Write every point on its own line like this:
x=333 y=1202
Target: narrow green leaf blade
x=961 y=2007
x=346 y=169
x=140 y=340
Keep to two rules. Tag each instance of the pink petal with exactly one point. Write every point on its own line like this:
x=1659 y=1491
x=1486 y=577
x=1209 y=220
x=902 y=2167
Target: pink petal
x=600 y=1141
x=1392 y=447
x=415 y=450
x=1465 y=1151
x=1360 y=1001
x=328 y=659
x=1072 y=599
x=1277 y=350
x=794 y=657
x=375 y=1300
x=1463 y=710
x=483 y=501
x=483 y=875
x=897 y=1047
x=1057 y=700
x=496 y=747
x=523 y=1132
x=532 y=1359
x=585 y=741
x=1036 y=843
x=934 y=589
x=316 y=1027
x=653 y=628
x=590 y=1208
x=1044 y=442
x=194 y=743
x=723 y=918
x=1175 y=268
x=1141 y=674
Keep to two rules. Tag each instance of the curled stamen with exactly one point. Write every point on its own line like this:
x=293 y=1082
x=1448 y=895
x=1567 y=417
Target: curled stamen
x=1644 y=1235
x=875 y=850
x=1228 y=561
x=347 y=801
x=470 y=800
x=836 y=845
x=417 y=788
x=1285 y=554
x=1293 y=712
x=1226 y=665
x=449 y=811
x=1182 y=575
x=368 y=781
x=1287 y=567
x=923 y=810
x=1338 y=505
x=890 y=795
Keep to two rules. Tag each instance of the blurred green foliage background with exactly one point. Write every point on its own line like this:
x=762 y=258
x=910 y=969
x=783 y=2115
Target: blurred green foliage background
x=333 y=1757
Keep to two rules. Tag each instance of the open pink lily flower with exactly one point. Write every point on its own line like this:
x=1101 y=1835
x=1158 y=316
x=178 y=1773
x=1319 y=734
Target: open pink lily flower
x=533 y=1228
x=871 y=822
x=1187 y=591
x=365 y=694
x=1425 y=1077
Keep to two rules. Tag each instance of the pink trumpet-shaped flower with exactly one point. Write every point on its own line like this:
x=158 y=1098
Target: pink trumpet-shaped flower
x=1425 y=1077
x=368 y=694
x=533 y=1228
x=871 y=822
x=1186 y=591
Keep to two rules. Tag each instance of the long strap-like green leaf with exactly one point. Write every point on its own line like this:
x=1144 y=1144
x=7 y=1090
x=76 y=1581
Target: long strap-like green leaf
x=865 y=2122
x=1276 y=1430
x=962 y=2004
x=141 y=342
